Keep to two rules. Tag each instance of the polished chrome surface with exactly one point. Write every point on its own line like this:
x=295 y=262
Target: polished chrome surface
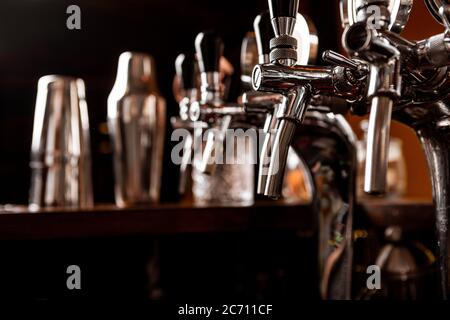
x=384 y=87
x=60 y=150
x=319 y=79
x=300 y=86
x=278 y=78
x=283 y=25
x=430 y=121
x=288 y=114
x=283 y=18
x=293 y=82
x=339 y=60
x=384 y=84
x=421 y=103
x=279 y=148
x=436 y=146
x=136 y=121
x=378 y=137
x=256 y=101
x=265 y=152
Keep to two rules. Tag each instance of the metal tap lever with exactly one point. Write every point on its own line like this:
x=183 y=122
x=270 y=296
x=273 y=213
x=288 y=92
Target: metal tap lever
x=383 y=90
x=337 y=59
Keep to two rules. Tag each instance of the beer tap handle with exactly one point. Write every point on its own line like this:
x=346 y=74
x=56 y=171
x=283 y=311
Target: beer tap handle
x=358 y=69
x=279 y=11
x=283 y=47
x=185 y=69
x=263 y=33
x=337 y=59
x=209 y=49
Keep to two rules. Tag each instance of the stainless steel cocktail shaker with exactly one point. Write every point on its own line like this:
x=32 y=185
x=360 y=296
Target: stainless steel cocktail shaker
x=136 y=121
x=60 y=151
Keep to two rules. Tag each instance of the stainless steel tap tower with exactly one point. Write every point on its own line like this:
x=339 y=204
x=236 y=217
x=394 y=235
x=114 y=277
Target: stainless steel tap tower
x=410 y=81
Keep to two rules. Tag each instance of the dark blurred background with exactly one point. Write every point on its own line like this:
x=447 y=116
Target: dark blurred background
x=34 y=41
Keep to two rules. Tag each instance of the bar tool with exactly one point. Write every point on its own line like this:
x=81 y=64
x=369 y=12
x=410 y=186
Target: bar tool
x=60 y=150
x=136 y=122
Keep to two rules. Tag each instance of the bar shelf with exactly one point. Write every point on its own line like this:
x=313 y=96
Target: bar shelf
x=19 y=223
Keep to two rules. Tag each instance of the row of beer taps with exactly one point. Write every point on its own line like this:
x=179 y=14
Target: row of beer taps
x=297 y=106
x=386 y=77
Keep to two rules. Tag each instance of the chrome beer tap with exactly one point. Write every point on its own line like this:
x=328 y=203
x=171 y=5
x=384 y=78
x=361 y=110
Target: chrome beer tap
x=324 y=141
x=209 y=48
x=263 y=102
x=419 y=100
x=383 y=90
x=297 y=84
x=211 y=108
x=219 y=166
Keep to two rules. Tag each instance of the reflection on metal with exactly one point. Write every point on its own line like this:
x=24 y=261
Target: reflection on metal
x=60 y=151
x=316 y=135
x=415 y=88
x=136 y=120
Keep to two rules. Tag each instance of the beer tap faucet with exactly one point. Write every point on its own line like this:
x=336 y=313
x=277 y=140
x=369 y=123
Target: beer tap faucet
x=413 y=84
x=297 y=84
x=264 y=102
x=384 y=87
x=292 y=94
